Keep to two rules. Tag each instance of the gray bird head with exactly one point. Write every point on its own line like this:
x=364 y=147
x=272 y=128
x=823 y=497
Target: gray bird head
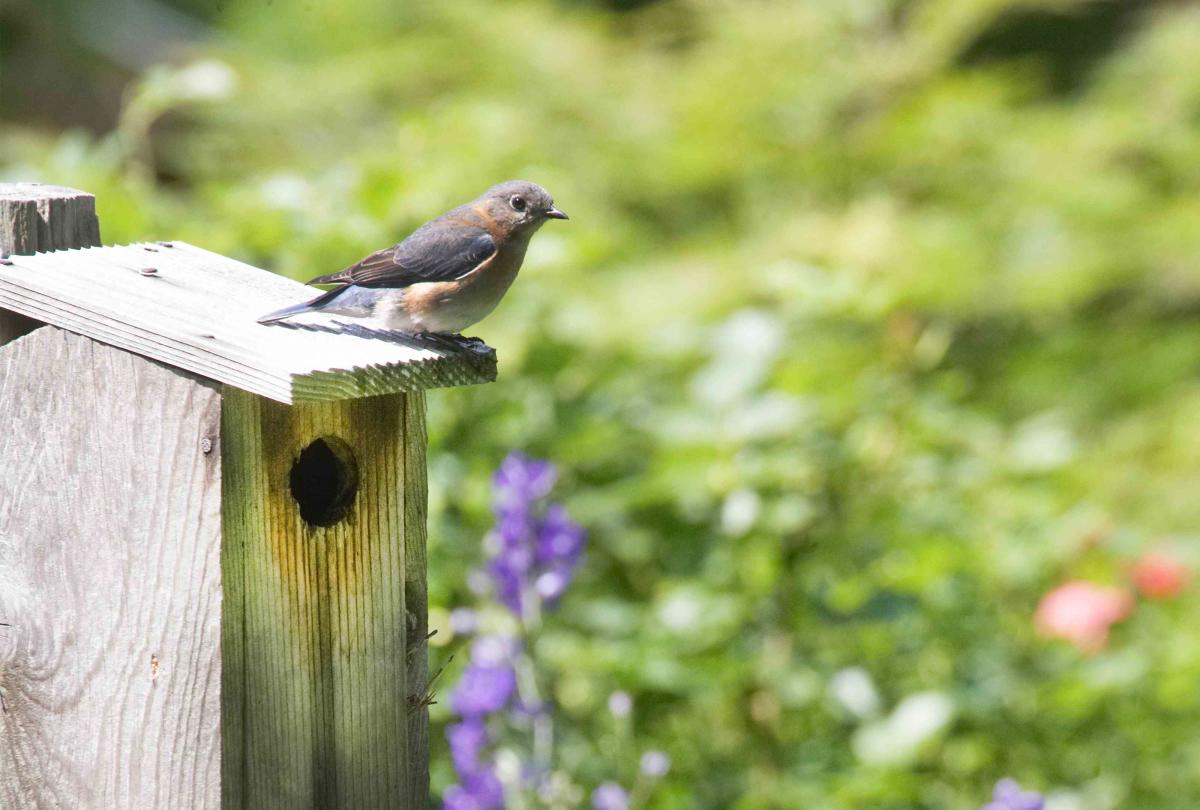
x=519 y=206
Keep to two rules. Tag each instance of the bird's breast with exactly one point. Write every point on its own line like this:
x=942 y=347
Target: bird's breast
x=452 y=306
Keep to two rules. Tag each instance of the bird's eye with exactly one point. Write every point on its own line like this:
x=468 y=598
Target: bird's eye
x=518 y=203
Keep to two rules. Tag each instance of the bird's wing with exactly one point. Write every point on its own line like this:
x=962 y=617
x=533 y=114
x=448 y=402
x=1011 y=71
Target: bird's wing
x=442 y=254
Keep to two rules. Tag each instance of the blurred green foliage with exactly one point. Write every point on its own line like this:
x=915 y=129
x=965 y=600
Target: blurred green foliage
x=871 y=324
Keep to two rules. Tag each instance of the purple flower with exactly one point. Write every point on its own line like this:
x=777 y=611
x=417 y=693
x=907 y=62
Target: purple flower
x=467 y=739
x=509 y=584
x=457 y=798
x=520 y=480
x=560 y=538
x=551 y=585
x=510 y=571
x=655 y=764
x=1009 y=796
x=486 y=686
x=610 y=796
x=479 y=791
x=483 y=689
x=486 y=788
x=532 y=554
x=534 y=549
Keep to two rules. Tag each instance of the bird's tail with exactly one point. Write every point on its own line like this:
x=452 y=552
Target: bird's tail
x=296 y=309
x=286 y=312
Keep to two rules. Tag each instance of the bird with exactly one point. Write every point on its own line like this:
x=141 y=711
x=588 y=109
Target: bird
x=449 y=274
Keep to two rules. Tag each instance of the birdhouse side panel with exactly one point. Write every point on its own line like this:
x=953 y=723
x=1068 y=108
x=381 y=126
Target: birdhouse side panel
x=110 y=529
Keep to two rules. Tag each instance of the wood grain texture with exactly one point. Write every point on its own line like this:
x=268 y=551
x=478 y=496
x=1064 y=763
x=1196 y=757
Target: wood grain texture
x=315 y=672
x=416 y=597
x=196 y=310
x=110 y=578
x=34 y=218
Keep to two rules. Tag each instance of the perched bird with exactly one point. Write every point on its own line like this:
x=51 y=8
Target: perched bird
x=450 y=273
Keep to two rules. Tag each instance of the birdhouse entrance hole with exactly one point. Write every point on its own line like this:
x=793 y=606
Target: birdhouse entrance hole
x=324 y=481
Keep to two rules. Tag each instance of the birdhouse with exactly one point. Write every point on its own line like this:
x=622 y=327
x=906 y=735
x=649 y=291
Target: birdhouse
x=212 y=532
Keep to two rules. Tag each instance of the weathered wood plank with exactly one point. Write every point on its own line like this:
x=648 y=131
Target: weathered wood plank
x=110 y=577
x=313 y=640
x=36 y=218
x=197 y=310
x=416 y=486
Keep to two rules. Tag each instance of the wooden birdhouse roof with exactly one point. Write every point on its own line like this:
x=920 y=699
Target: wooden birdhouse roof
x=197 y=310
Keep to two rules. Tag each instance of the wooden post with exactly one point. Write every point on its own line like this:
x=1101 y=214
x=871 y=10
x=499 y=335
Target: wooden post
x=109 y=565
x=36 y=218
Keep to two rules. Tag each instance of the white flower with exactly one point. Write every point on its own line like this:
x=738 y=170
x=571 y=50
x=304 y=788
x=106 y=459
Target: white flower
x=854 y=691
x=897 y=739
x=655 y=764
x=206 y=80
x=620 y=704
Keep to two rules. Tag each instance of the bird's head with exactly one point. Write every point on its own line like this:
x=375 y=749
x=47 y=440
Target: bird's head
x=519 y=206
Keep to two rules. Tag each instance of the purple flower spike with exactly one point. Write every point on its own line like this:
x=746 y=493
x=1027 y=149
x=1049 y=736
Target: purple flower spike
x=610 y=796
x=467 y=739
x=457 y=798
x=514 y=524
x=479 y=791
x=1009 y=796
x=509 y=584
x=561 y=539
x=534 y=549
x=483 y=689
x=486 y=788
x=532 y=553
x=551 y=585
x=520 y=480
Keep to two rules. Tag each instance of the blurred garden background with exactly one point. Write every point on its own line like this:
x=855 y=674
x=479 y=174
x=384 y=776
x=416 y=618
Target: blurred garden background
x=876 y=324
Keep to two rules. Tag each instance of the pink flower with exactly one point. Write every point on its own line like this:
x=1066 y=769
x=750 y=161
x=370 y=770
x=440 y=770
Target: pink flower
x=1159 y=575
x=1082 y=612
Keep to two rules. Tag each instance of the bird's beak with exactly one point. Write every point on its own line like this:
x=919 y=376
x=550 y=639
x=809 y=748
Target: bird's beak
x=554 y=213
